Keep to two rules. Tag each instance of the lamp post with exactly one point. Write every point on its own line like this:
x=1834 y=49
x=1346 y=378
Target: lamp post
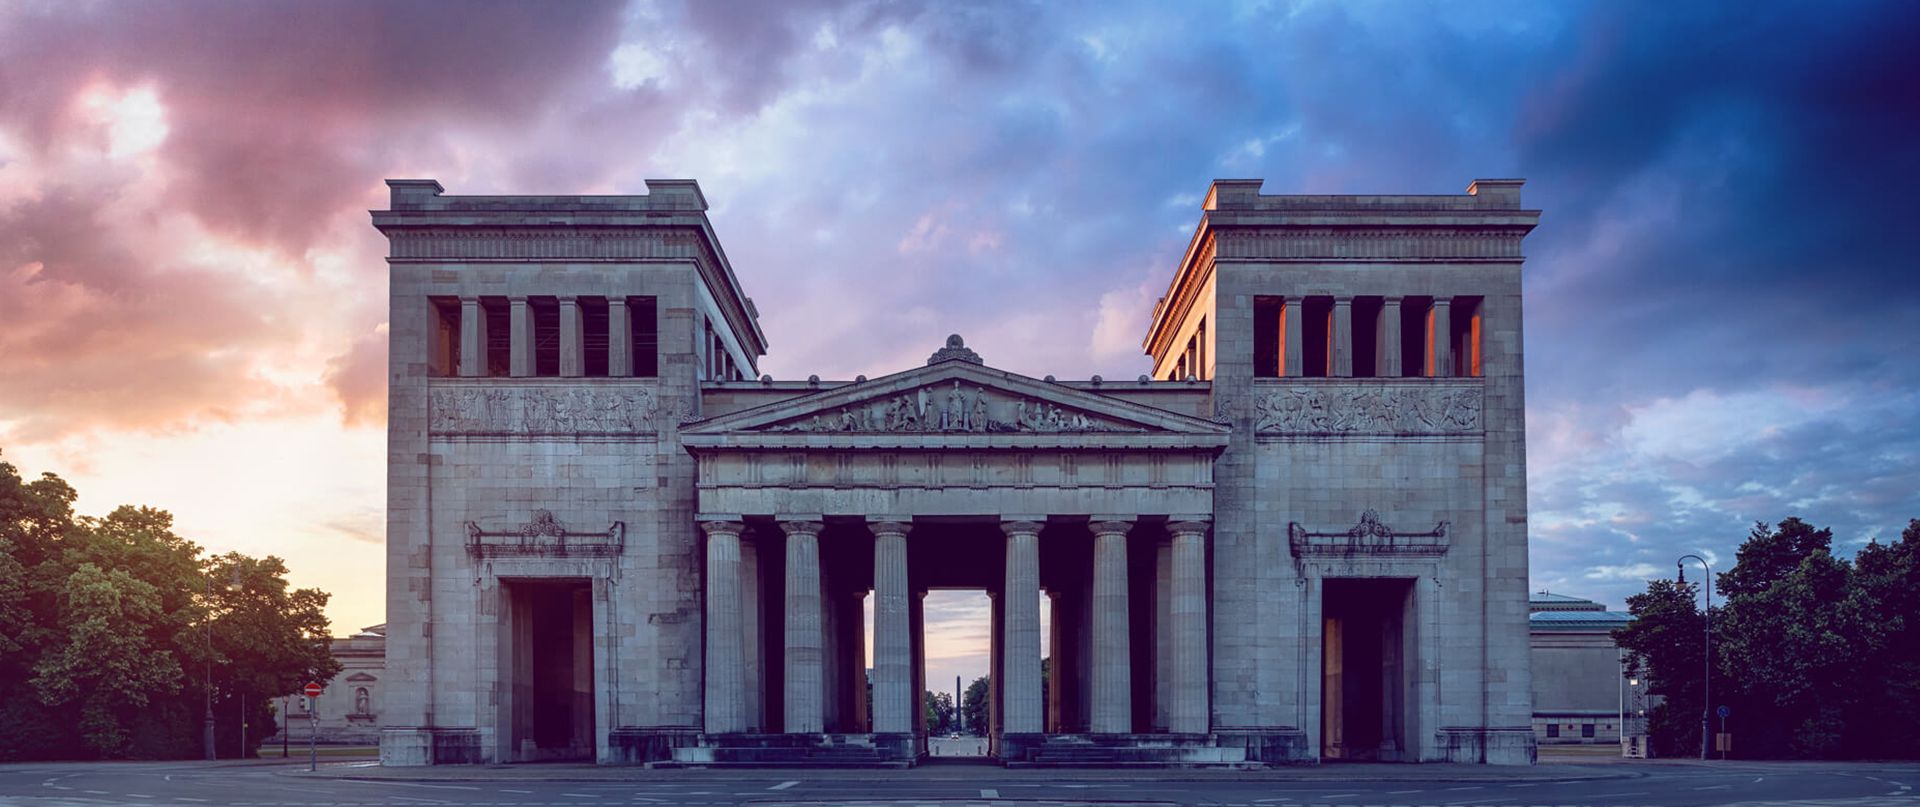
x=206 y=589
x=1706 y=665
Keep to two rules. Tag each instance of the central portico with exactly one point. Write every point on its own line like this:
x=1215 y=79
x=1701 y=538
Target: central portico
x=953 y=475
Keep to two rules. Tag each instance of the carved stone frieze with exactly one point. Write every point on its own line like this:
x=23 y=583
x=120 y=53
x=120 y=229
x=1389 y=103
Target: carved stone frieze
x=1369 y=536
x=1367 y=408
x=954 y=408
x=516 y=409
x=545 y=536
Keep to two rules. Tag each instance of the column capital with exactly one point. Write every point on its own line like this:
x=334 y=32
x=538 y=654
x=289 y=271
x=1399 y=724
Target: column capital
x=518 y=299
x=568 y=298
x=889 y=525
x=469 y=299
x=1022 y=526
x=1189 y=527
x=1345 y=300
x=723 y=526
x=801 y=525
x=1392 y=299
x=1110 y=525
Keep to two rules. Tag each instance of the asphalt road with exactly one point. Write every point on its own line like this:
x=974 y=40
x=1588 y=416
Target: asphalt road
x=272 y=785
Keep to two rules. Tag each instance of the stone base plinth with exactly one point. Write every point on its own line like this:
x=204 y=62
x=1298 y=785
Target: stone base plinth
x=633 y=745
x=795 y=751
x=1491 y=746
x=1117 y=751
x=427 y=745
x=1279 y=745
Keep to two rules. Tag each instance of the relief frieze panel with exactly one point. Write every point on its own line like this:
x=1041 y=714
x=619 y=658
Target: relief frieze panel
x=544 y=536
x=1368 y=408
x=1368 y=536
x=515 y=409
x=954 y=408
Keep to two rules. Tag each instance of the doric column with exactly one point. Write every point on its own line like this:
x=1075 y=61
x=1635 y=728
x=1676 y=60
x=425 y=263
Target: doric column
x=1162 y=633
x=520 y=329
x=805 y=681
x=1440 y=338
x=725 y=667
x=1112 y=660
x=619 y=338
x=754 y=667
x=1341 y=342
x=1021 y=709
x=1056 y=650
x=473 y=338
x=892 y=631
x=1295 y=357
x=573 y=350
x=1386 y=342
x=1188 y=712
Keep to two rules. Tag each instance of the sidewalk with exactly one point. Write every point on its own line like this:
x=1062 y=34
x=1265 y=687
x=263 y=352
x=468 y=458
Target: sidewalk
x=563 y=772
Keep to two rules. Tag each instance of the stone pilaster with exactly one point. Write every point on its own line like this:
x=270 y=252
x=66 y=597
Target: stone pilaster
x=1440 y=338
x=1340 y=344
x=725 y=667
x=1188 y=665
x=1112 y=659
x=520 y=331
x=1386 y=343
x=619 y=338
x=754 y=668
x=893 y=701
x=805 y=680
x=573 y=351
x=1021 y=708
x=1162 y=633
x=1292 y=320
x=473 y=338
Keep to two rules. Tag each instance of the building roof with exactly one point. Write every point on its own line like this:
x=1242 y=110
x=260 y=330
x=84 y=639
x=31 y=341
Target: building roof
x=1549 y=601
x=1582 y=620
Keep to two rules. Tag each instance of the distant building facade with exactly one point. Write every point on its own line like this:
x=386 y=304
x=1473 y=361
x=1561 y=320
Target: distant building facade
x=349 y=709
x=1579 y=694
x=1301 y=536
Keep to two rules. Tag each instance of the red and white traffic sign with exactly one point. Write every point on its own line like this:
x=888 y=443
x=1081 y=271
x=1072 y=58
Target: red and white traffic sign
x=313 y=690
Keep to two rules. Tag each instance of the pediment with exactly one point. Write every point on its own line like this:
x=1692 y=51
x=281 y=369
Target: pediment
x=959 y=400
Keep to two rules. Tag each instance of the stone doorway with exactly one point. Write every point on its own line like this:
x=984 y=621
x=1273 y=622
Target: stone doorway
x=546 y=670
x=1367 y=653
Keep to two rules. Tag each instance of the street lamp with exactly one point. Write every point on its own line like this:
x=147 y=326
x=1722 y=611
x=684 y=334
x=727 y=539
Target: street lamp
x=1706 y=685
x=206 y=590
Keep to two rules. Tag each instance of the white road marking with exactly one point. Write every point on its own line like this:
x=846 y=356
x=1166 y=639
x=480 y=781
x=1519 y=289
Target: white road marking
x=1473 y=787
x=989 y=793
x=581 y=795
x=1339 y=795
x=1403 y=792
x=1715 y=787
x=95 y=792
x=781 y=786
x=521 y=792
x=184 y=798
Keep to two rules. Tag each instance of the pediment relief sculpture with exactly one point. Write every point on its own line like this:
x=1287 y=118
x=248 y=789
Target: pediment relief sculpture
x=1369 y=536
x=544 y=535
x=951 y=408
x=1368 y=409
x=513 y=409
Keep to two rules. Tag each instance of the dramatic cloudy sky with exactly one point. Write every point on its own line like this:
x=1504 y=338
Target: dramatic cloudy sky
x=1722 y=311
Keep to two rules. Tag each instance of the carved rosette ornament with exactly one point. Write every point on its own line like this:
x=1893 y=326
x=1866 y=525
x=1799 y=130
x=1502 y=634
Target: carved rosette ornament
x=544 y=536
x=953 y=408
x=1369 y=536
x=1369 y=409
x=512 y=409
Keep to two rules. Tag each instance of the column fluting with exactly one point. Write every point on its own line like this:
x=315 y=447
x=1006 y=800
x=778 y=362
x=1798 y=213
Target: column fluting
x=805 y=678
x=1188 y=713
x=1021 y=711
x=1112 y=658
x=892 y=631
x=725 y=662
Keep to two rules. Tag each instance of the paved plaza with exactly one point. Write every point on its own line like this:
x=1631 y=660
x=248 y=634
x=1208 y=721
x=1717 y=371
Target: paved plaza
x=269 y=783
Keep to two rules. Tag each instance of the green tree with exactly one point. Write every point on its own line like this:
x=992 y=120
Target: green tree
x=268 y=638
x=1664 y=645
x=1769 y=555
x=1885 y=720
x=1791 y=651
x=939 y=707
x=974 y=711
x=107 y=664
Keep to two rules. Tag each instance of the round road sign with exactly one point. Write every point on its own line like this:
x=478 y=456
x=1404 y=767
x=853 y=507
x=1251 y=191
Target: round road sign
x=313 y=690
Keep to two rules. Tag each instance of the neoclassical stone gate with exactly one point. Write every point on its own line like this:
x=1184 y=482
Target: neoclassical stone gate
x=1300 y=536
